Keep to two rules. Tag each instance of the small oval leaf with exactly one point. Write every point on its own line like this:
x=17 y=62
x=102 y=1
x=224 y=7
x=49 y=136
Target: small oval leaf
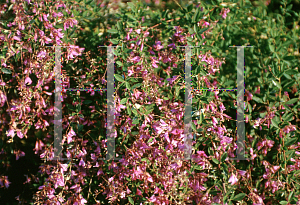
x=292 y=101
x=239 y=197
x=112 y=31
x=119 y=78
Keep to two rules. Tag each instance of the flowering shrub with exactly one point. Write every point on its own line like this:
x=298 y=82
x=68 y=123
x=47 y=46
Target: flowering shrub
x=149 y=102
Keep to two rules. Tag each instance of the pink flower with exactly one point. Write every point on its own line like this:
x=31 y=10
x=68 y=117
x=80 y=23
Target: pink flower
x=257 y=123
x=76 y=187
x=138 y=192
x=233 y=180
x=70 y=23
x=138 y=31
x=41 y=54
x=172 y=45
x=11 y=133
x=70 y=135
x=6 y=182
x=16 y=38
x=45 y=17
x=19 y=154
x=206 y=24
x=154 y=63
x=167 y=137
x=135 y=59
x=224 y=12
x=137 y=94
x=158 y=46
x=59 y=181
x=81 y=163
x=2 y=98
x=251 y=153
x=275 y=169
x=242 y=172
x=38 y=146
x=20 y=134
x=214 y=120
x=28 y=80
x=74 y=51
x=63 y=167
x=152 y=198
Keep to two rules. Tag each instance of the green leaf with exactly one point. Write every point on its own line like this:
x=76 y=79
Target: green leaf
x=150 y=140
x=135 y=86
x=126 y=50
x=187 y=16
x=87 y=102
x=130 y=200
x=129 y=110
x=123 y=101
x=292 y=101
x=114 y=41
x=134 y=133
x=290 y=154
x=239 y=197
x=112 y=31
x=289 y=58
x=289 y=84
x=203 y=30
x=78 y=107
x=190 y=8
x=131 y=5
x=272 y=47
x=290 y=142
x=189 y=38
x=288 y=117
x=198 y=167
x=133 y=80
x=283 y=202
x=80 y=127
x=276 y=84
x=290 y=195
x=291 y=72
x=84 y=14
x=136 y=121
x=193 y=126
x=215 y=161
x=149 y=111
x=257 y=99
x=191 y=31
x=134 y=111
x=127 y=85
x=194 y=100
x=275 y=121
x=225 y=167
x=119 y=78
x=119 y=25
x=119 y=63
x=224 y=156
x=6 y=71
x=10 y=7
x=194 y=19
x=210 y=151
x=195 y=28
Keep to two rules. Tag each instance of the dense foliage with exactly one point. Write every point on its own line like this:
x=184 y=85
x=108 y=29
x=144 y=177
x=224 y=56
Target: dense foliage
x=149 y=100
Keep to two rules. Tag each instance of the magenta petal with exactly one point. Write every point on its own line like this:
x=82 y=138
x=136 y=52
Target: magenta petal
x=28 y=80
x=20 y=134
